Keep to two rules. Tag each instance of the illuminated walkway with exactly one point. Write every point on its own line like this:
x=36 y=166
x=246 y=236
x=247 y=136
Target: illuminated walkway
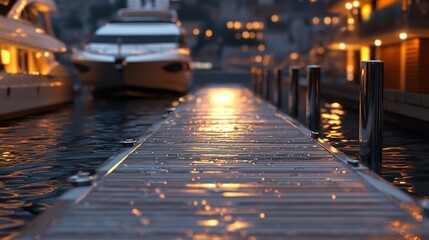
x=226 y=165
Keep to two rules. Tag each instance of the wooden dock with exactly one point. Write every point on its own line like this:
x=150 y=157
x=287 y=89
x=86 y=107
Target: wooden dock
x=227 y=165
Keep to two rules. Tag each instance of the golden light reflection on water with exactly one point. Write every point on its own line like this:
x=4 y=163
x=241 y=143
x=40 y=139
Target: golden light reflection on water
x=332 y=120
x=404 y=161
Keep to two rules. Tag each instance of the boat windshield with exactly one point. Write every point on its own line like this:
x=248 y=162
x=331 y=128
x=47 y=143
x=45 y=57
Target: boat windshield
x=144 y=39
x=6 y=6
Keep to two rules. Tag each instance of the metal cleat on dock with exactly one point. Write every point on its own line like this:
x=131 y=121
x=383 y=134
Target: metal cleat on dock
x=128 y=142
x=314 y=135
x=352 y=162
x=170 y=110
x=81 y=179
x=425 y=206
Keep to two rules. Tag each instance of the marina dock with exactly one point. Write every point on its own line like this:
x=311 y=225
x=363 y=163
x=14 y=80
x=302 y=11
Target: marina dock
x=228 y=165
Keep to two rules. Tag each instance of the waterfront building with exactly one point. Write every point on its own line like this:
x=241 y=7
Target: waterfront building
x=78 y=19
x=395 y=31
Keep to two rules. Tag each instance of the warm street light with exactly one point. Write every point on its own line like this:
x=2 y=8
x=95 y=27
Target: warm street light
x=209 y=33
x=403 y=36
x=275 y=18
x=342 y=46
x=237 y=25
x=316 y=20
x=327 y=20
x=349 y=6
x=294 y=56
x=377 y=42
x=245 y=35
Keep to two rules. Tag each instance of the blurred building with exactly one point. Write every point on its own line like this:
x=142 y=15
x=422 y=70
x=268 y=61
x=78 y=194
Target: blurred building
x=395 y=31
x=242 y=33
x=77 y=19
x=237 y=33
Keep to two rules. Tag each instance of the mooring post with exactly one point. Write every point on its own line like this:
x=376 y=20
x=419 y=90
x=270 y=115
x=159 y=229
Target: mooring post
x=279 y=82
x=267 y=79
x=260 y=83
x=313 y=98
x=293 y=91
x=371 y=114
x=254 y=79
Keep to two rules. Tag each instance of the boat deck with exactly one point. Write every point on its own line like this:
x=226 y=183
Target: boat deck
x=227 y=165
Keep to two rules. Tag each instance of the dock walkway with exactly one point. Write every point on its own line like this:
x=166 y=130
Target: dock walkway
x=227 y=165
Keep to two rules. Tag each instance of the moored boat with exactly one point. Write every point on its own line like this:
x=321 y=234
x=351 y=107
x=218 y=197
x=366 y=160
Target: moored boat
x=141 y=53
x=30 y=77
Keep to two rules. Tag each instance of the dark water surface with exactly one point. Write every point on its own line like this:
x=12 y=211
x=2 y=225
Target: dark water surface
x=38 y=153
x=405 y=151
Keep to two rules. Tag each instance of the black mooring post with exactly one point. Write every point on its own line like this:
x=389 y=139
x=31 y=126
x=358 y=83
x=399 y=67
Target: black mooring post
x=267 y=79
x=293 y=91
x=260 y=83
x=279 y=83
x=371 y=114
x=254 y=79
x=313 y=98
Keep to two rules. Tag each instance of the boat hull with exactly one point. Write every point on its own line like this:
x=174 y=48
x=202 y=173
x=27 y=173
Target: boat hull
x=136 y=75
x=23 y=94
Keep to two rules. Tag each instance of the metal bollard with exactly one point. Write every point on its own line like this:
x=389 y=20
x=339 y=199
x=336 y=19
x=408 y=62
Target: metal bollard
x=260 y=83
x=267 y=79
x=313 y=99
x=371 y=114
x=293 y=91
x=279 y=82
x=254 y=79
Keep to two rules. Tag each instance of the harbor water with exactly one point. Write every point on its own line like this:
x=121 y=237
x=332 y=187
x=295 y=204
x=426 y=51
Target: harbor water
x=405 y=155
x=39 y=152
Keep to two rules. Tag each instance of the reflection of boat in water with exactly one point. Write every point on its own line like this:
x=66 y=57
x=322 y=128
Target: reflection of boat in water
x=143 y=52
x=30 y=77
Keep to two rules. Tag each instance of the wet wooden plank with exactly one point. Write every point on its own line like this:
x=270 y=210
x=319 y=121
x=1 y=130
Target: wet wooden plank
x=225 y=165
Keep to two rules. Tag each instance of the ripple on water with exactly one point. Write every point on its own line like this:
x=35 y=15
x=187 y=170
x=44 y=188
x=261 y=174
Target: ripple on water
x=405 y=162
x=38 y=153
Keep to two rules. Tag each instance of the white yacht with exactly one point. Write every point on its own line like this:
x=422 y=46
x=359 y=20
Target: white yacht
x=30 y=77
x=141 y=53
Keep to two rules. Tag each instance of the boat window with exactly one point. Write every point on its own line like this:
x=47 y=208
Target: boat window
x=35 y=63
x=23 y=61
x=135 y=39
x=6 y=6
x=45 y=60
x=8 y=58
x=32 y=14
x=16 y=60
